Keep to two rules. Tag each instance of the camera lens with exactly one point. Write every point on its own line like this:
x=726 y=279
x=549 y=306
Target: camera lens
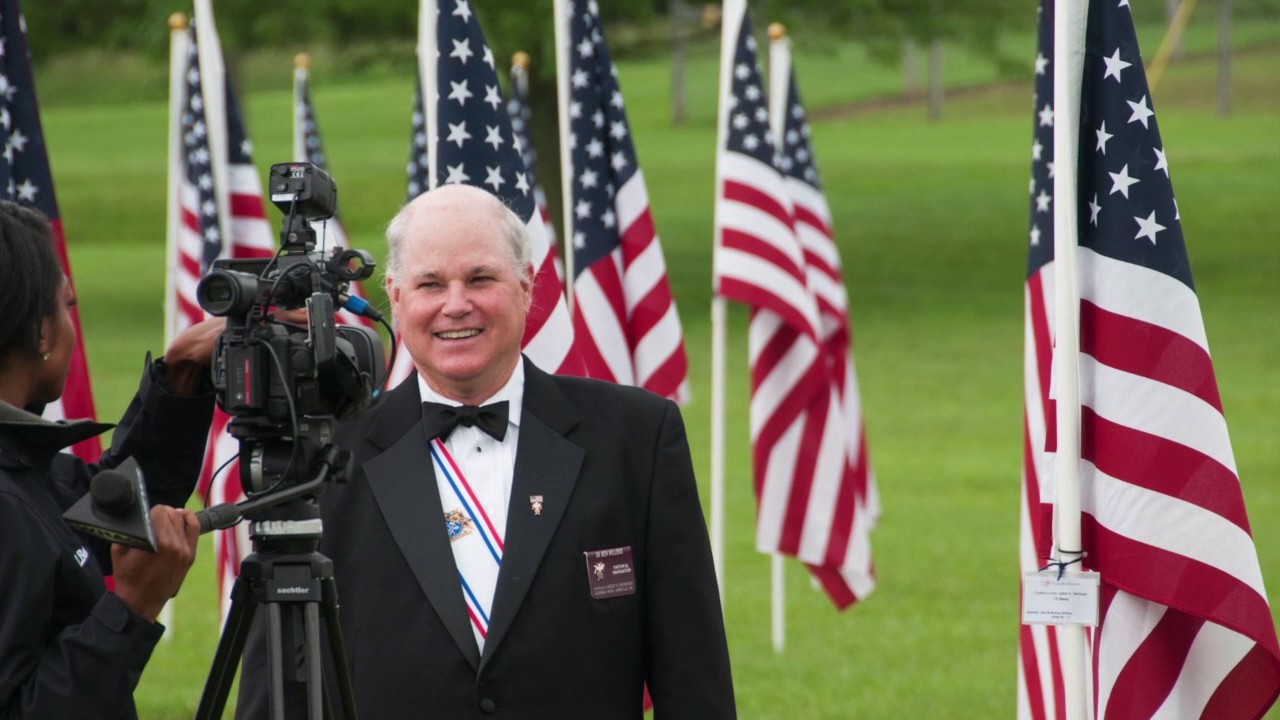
x=218 y=292
x=227 y=292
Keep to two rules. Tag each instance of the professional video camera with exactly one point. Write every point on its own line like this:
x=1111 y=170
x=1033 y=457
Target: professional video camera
x=285 y=388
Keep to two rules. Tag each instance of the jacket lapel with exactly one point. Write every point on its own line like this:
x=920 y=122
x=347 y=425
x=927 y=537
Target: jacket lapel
x=402 y=479
x=547 y=465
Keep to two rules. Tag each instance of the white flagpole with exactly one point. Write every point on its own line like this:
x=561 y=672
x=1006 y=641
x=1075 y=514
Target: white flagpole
x=719 y=313
x=561 y=12
x=730 y=22
x=427 y=72
x=213 y=81
x=1068 y=63
x=779 y=79
x=179 y=46
x=301 y=75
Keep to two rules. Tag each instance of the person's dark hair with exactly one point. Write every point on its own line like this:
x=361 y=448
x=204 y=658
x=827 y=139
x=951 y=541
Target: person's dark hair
x=30 y=277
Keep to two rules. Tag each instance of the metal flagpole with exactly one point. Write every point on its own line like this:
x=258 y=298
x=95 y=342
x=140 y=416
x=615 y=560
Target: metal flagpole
x=179 y=46
x=301 y=74
x=561 y=17
x=730 y=21
x=1068 y=63
x=428 y=82
x=779 y=73
x=719 y=311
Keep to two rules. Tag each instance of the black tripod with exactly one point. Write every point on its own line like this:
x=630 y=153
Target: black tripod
x=287 y=574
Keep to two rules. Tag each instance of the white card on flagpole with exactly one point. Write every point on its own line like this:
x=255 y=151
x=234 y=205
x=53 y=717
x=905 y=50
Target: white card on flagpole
x=1071 y=599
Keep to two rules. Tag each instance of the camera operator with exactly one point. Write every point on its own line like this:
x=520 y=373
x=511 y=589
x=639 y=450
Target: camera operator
x=69 y=648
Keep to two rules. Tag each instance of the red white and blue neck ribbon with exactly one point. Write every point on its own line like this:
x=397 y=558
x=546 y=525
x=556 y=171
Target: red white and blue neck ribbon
x=475 y=540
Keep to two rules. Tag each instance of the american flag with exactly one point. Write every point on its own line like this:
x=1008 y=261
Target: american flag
x=521 y=129
x=419 y=165
x=1041 y=693
x=418 y=171
x=624 y=316
x=309 y=147
x=844 y=506
x=800 y=441
x=1186 y=628
x=25 y=177
x=469 y=136
x=216 y=179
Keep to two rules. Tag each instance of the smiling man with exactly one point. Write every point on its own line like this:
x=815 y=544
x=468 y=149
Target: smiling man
x=460 y=282
x=512 y=543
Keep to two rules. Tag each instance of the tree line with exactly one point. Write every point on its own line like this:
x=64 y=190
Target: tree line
x=884 y=26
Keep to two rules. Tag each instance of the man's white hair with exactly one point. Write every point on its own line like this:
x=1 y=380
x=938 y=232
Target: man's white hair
x=510 y=225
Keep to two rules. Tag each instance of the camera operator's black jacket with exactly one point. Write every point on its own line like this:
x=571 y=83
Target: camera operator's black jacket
x=68 y=648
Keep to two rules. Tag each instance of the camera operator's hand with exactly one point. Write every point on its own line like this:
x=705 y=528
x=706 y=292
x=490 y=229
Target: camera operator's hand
x=190 y=354
x=146 y=581
x=296 y=316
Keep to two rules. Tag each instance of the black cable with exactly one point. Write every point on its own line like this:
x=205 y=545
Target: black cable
x=214 y=477
x=395 y=346
x=293 y=413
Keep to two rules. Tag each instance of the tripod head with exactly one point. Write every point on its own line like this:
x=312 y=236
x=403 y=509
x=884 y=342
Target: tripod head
x=287 y=574
x=289 y=513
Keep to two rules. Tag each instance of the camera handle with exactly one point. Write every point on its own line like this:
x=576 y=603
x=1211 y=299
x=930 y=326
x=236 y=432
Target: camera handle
x=295 y=587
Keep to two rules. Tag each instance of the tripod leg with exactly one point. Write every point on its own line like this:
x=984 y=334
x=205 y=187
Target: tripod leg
x=315 y=687
x=230 y=647
x=338 y=649
x=275 y=662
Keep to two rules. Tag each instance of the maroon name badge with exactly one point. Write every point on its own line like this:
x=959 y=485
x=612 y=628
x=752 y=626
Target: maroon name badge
x=611 y=573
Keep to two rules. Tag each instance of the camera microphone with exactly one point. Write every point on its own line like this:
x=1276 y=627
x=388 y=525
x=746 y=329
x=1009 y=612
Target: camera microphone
x=115 y=508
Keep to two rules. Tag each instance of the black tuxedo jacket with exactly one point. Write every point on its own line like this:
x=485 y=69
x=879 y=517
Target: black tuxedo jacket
x=612 y=466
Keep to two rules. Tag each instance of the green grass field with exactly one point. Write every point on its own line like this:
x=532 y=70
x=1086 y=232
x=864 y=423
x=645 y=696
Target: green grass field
x=932 y=225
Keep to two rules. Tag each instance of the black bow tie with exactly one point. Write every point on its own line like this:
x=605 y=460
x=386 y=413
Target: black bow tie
x=441 y=419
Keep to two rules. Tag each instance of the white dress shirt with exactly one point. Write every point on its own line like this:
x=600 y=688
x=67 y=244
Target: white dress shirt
x=488 y=464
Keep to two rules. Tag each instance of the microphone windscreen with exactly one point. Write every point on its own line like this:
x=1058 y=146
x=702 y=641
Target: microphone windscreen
x=113 y=493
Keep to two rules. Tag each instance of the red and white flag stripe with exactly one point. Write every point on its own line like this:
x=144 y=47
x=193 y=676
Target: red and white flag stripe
x=1154 y=437
x=758 y=259
x=27 y=178
x=77 y=397
x=843 y=512
x=548 y=332
x=775 y=253
x=624 y=315
x=1041 y=693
